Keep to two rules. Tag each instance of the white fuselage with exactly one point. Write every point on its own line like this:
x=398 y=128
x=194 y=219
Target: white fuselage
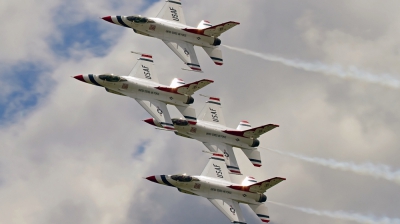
x=209 y=132
x=211 y=188
x=169 y=30
x=142 y=89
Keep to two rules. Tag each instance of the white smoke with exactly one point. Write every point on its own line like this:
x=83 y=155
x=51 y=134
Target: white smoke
x=343 y=215
x=375 y=170
x=336 y=70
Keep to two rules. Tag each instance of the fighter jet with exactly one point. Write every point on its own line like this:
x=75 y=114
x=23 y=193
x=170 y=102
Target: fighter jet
x=210 y=129
x=215 y=184
x=143 y=86
x=170 y=27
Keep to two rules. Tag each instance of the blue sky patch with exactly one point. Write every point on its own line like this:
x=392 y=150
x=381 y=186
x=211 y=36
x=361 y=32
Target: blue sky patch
x=140 y=149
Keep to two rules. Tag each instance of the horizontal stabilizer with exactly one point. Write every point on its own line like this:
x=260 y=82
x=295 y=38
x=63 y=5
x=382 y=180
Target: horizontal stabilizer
x=261 y=211
x=187 y=89
x=259 y=187
x=177 y=82
x=215 y=54
x=189 y=113
x=204 y=24
x=215 y=31
x=243 y=125
x=254 y=156
x=254 y=132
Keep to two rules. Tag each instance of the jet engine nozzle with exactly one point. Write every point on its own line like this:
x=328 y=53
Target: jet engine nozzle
x=263 y=198
x=217 y=41
x=153 y=122
x=190 y=100
x=256 y=143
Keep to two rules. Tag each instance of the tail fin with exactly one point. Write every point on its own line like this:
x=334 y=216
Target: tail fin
x=254 y=156
x=177 y=82
x=203 y=24
x=261 y=211
x=260 y=187
x=254 y=132
x=187 y=89
x=215 y=54
x=212 y=112
x=243 y=125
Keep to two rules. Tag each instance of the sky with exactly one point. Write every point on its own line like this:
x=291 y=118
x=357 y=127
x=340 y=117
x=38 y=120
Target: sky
x=73 y=153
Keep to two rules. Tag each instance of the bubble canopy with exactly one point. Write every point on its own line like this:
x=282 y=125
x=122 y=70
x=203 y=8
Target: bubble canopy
x=183 y=178
x=138 y=19
x=180 y=122
x=111 y=78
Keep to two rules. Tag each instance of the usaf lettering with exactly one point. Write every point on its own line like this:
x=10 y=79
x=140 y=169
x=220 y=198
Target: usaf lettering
x=218 y=171
x=146 y=72
x=214 y=115
x=174 y=14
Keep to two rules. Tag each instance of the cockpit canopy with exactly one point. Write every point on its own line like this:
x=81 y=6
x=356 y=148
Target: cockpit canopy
x=180 y=122
x=139 y=19
x=183 y=178
x=111 y=78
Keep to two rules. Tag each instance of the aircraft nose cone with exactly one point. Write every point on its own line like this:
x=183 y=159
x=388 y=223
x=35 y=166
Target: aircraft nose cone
x=108 y=19
x=150 y=121
x=152 y=179
x=80 y=78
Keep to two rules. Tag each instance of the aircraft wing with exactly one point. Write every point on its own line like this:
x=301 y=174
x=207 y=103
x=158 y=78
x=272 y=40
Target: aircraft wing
x=216 y=168
x=230 y=209
x=185 y=51
x=212 y=112
x=144 y=68
x=172 y=10
x=158 y=110
x=229 y=155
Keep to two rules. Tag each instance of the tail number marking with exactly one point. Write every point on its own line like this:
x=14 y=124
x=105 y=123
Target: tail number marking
x=214 y=115
x=146 y=72
x=218 y=171
x=174 y=14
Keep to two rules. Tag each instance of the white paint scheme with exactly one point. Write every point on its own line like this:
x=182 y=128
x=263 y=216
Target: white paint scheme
x=215 y=184
x=211 y=130
x=170 y=26
x=142 y=85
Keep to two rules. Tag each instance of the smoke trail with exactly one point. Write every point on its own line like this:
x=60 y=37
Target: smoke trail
x=343 y=215
x=337 y=70
x=375 y=170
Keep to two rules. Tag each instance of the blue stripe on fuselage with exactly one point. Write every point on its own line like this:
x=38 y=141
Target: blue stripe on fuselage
x=93 y=81
x=166 y=181
x=122 y=22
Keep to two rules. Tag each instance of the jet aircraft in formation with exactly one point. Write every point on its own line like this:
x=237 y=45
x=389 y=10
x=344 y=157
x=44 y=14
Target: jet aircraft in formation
x=209 y=127
x=215 y=184
x=143 y=86
x=170 y=26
